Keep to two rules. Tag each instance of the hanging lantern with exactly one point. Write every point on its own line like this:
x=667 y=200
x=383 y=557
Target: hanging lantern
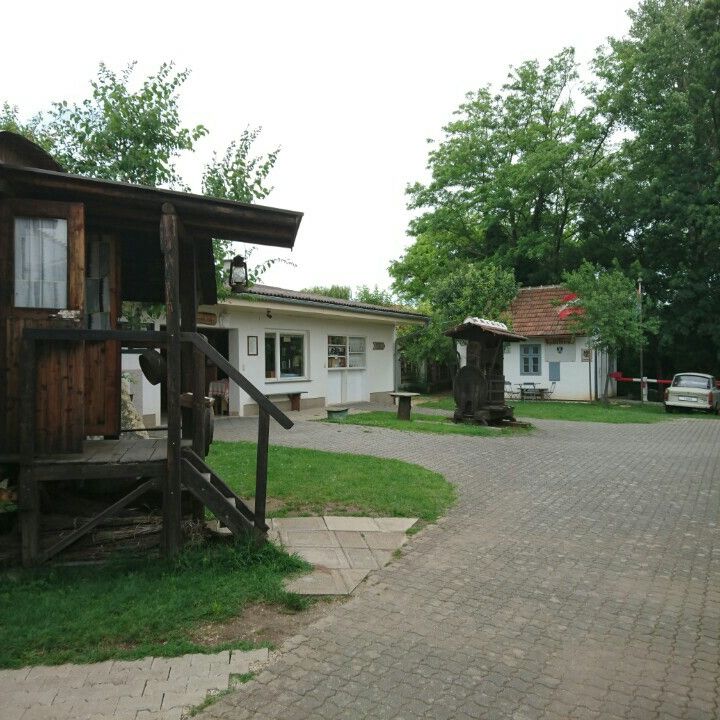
x=238 y=274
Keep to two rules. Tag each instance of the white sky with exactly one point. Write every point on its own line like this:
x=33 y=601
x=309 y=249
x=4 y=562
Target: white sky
x=349 y=90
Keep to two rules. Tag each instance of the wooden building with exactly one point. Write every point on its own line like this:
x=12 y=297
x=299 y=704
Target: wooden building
x=72 y=249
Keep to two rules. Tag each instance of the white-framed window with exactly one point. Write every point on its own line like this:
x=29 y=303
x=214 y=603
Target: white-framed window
x=41 y=262
x=346 y=351
x=530 y=359
x=285 y=355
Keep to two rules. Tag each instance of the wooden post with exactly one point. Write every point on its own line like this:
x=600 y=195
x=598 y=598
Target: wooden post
x=261 y=470
x=172 y=508
x=28 y=492
x=199 y=408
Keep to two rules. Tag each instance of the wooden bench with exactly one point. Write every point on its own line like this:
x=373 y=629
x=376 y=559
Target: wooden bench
x=294 y=397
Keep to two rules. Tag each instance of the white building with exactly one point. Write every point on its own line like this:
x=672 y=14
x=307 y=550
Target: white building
x=552 y=356
x=300 y=349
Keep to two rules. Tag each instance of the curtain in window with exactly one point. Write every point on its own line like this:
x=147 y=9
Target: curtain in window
x=41 y=262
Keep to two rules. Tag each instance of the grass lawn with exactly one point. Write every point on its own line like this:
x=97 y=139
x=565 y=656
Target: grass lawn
x=615 y=412
x=314 y=482
x=132 y=609
x=422 y=423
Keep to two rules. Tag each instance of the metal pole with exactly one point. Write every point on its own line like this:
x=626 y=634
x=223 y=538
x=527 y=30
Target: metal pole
x=642 y=372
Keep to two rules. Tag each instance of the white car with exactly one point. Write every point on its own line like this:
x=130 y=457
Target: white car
x=693 y=391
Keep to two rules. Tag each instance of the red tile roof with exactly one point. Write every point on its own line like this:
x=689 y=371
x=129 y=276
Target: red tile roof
x=537 y=311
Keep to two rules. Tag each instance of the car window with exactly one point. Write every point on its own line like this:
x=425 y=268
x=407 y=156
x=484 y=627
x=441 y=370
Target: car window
x=692 y=381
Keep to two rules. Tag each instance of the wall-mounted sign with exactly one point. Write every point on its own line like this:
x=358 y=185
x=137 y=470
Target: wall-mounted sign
x=252 y=345
x=206 y=318
x=586 y=354
x=378 y=345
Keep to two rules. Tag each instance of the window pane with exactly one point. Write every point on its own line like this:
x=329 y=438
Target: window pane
x=356 y=356
x=41 y=262
x=337 y=351
x=269 y=355
x=292 y=356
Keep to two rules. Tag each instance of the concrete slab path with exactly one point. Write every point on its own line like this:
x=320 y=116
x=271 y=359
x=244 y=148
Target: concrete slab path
x=577 y=577
x=343 y=549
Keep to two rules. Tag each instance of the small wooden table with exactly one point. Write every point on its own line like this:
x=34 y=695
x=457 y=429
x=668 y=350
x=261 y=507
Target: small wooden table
x=404 y=402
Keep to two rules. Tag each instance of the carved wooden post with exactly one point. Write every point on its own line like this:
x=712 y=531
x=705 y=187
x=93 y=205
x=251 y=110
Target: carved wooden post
x=172 y=510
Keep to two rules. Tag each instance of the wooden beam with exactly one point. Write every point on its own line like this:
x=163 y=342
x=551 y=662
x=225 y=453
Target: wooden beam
x=238 y=378
x=261 y=468
x=28 y=385
x=104 y=515
x=172 y=510
x=29 y=515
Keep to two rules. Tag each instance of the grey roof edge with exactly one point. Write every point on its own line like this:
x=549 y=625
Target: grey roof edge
x=295 y=297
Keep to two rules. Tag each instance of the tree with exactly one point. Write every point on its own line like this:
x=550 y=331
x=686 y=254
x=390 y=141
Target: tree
x=661 y=84
x=608 y=310
x=475 y=290
x=137 y=136
x=374 y=296
x=509 y=181
x=341 y=292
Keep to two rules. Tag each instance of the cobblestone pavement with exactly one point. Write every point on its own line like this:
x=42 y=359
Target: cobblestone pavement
x=147 y=689
x=578 y=576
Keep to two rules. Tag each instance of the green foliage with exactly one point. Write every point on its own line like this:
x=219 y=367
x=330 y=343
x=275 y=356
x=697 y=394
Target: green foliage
x=608 y=310
x=310 y=481
x=509 y=179
x=374 y=296
x=136 y=608
x=137 y=136
x=424 y=423
x=121 y=134
x=616 y=412
x=341 y=292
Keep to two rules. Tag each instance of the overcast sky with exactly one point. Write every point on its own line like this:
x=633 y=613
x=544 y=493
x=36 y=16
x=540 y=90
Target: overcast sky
x=349 y=90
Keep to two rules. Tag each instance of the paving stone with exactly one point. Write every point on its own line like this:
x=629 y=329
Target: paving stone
x=303 y=539
x=327 y=557
x=395 y=524
x=385 y=540
x=351 y=539
x=352 y=524
x=298 y=523
x=361 y=559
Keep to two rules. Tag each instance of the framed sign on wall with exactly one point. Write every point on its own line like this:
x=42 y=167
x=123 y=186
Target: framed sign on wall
x=252 y=345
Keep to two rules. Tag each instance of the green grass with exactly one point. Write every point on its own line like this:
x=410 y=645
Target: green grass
x=133 y=609
x=314 y=482
x=615 y=412
x=440 y=424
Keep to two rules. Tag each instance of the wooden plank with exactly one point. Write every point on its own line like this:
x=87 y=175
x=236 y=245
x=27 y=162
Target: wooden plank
x=90 y=524
x=199 y=409
x=128 y=338
x=81 y=471
x=172 y=511
x=29 y=516
x=213 y=499
x=261 y=468
x=27 y=393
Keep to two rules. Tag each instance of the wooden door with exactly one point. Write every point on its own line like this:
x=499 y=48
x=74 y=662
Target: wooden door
x=42 y=263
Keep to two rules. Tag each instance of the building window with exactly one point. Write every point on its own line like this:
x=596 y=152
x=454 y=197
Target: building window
x=346 y=351
x=284 y=355
x=41 y=262
x=530 y=359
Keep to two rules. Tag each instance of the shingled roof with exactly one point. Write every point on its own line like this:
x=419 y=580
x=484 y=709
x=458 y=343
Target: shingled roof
x=538 y=311
x=283 y=295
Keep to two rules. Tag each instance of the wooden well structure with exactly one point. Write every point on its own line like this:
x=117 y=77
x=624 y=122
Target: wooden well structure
x=72 y=249
x=479 y=386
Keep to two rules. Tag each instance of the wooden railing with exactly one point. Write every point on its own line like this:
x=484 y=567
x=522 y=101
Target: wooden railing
x=202 y=350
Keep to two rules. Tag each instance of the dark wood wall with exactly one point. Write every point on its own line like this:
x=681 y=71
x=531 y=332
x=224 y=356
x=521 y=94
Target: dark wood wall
x=60 y=394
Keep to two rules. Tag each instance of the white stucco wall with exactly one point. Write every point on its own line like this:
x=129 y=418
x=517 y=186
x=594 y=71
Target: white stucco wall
x=320 y=385
x=577 y=378
x=146 y=397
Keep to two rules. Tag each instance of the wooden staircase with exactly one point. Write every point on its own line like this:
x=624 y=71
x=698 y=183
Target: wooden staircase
x=202 y=482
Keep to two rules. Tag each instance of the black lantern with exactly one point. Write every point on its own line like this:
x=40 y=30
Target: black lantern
x=238 y=273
